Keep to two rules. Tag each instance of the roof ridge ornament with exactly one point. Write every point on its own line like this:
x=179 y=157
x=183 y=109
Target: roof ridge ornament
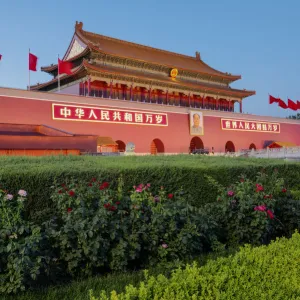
x=78 y=25
x=198 y=57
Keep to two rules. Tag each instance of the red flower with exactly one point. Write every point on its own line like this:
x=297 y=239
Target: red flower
x=90 y=184
x=284 y=190
x=118 y=202
x=242 y=180
x=113 y=208
x=270 y=214
x=106 y=205
x=72 y=193
x=259 y=187
x=69 y=209
x=63 y=185
x=170 y=196
x=60 y=191
x=93 y=179
x=104 y=185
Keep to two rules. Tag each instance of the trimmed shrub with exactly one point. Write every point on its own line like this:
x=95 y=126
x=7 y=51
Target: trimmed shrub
x=266 y=272
x=201 y=177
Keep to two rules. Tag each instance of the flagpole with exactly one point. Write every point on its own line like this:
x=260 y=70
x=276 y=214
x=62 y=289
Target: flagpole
x=28 y=71
x=58 y=73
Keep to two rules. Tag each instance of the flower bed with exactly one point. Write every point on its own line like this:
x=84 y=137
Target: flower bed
x=96 y=228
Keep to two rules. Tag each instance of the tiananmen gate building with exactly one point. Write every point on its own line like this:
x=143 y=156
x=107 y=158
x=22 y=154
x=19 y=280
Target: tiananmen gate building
x=125 y=96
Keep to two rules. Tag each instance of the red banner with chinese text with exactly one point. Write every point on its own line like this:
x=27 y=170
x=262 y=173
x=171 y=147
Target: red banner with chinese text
x=107 y=115
x=246 y=125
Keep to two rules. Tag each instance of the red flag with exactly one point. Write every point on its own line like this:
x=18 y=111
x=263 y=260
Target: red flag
x=292 y=105
x=282 y=104
x=0 y=56
x=298 y=104
x=273 y=99
x=64 y=67
x=32 y=62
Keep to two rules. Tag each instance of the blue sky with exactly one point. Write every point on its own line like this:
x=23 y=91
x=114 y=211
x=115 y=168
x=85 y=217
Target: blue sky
x=258 y=39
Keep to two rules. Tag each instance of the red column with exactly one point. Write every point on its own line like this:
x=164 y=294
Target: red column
x=167 y=94
x=89 y=87
x=110 y=89
x=150 y=95
x=131 y=93
x=203 y=101
x=189 y=99
x=241 y=107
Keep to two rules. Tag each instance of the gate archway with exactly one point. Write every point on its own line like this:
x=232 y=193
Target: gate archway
x=156 y=147
x=252 y=146
x=121 y=146
x=196 y=143
x=229 y=147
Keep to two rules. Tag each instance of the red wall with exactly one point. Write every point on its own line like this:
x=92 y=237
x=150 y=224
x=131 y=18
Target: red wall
x=175 y=137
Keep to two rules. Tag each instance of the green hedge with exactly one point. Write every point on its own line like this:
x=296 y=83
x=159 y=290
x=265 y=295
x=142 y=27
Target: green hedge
x=266 y=272
x=198 y=176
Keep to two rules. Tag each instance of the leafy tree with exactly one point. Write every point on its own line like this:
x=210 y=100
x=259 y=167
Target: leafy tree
x=294 y=117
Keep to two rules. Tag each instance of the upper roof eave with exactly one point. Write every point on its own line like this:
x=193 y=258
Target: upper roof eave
x=82 y=35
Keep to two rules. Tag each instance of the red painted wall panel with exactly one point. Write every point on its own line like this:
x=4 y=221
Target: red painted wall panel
x=175 y=137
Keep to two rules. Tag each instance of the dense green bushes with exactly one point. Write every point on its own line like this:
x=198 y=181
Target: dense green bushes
x=266 y=272
x=96 y=229
x=199 y=176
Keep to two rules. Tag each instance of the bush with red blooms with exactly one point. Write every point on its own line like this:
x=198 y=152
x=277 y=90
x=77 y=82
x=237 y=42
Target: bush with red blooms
x=247 y=210
x=99 y=228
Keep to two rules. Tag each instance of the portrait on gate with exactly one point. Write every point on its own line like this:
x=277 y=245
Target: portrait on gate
x=196 y=123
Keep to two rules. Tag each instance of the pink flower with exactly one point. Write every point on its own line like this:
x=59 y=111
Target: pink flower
x=148 y=185
x=230 y=193
x=139 y=190
x=165 y=246
x=259 y=187
x=22 y=193
x=9 y=197
x=260 y=208
x=270 y=214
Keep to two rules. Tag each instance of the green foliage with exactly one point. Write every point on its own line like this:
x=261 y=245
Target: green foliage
x=295 y=117
x=245 y=210
x=20 y=245
x=95 y=228
x=101 y=228
x=197 y=175
x=266 y=272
